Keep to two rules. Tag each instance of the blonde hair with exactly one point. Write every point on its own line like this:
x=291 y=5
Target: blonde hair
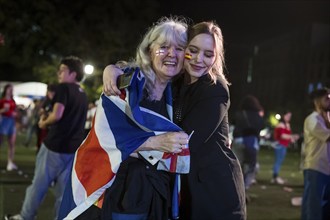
x=165 y=30
x=211 y=28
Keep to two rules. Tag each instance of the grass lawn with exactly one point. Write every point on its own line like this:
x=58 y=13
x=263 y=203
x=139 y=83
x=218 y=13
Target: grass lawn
x=271 y=201
x=268 y=201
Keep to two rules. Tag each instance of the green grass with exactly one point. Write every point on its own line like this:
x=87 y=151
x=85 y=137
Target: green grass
x=271 y=201
x=268 y=201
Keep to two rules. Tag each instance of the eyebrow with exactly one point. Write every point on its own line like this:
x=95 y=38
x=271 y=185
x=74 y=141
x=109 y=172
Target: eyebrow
x=195 y=47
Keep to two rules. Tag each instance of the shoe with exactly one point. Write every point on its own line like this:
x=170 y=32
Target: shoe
x=11 y=166
x=278 y=180
x=14 y=217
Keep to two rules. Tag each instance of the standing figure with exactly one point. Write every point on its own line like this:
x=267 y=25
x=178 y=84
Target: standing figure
x=7 y=123
x=89 y=118
x=66 y=132
x=284 y=137
x=45 y=110
x=248 y=124
x=316 y=161
x=214 y=187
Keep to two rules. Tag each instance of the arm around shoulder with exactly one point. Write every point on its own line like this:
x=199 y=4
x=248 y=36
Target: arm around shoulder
x=110 y=75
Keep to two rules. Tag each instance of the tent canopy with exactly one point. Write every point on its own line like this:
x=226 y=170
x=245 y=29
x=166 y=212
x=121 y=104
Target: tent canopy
x=32 y=90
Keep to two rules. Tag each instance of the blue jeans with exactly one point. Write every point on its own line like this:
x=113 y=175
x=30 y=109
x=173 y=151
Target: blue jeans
x=50 y=167
x=280 y=152
x=316 y=196
x=251 y=149
x=7 y=126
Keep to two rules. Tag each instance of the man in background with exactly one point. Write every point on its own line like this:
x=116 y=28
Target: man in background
x=66 y=132
x=316 y=162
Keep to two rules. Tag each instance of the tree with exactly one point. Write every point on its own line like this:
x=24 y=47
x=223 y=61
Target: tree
x=38 y=33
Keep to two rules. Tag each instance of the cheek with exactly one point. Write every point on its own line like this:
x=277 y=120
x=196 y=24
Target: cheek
x=155 y=61
x=181 y=60
x=186 y=64
x=209 y=62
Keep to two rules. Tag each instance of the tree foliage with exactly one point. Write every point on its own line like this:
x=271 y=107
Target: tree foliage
x=38 y=33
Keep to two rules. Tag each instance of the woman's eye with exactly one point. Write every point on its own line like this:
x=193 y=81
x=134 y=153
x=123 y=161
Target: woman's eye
x=193 y=50
x=180 y=49
x=209 y=55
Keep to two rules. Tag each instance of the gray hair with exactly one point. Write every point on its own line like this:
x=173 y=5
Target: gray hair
x=165 y=30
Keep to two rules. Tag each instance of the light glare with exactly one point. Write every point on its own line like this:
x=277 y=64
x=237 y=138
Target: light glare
x=89 y=69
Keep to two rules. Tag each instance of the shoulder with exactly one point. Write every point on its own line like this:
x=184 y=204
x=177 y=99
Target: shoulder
x=220 y=88
x=312 y=117
x=61 y=86
x=280 y=125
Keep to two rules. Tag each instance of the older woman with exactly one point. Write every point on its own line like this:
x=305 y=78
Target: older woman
x=140 y=190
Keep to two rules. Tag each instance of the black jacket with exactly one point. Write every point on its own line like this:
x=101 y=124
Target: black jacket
x=214 y=188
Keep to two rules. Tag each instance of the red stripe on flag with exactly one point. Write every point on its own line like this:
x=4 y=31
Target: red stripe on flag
x=92 y=165
x=174 y=158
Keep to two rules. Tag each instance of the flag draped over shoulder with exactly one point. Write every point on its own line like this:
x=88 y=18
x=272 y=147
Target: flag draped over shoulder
x=119 y=127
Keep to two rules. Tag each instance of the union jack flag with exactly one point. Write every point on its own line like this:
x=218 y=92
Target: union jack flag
x=119 y=126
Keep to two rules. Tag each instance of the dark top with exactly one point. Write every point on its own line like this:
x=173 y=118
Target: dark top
x=158 y=106
x=66 y=135
x=248 y=123
x=214 y=188
x=202 y=107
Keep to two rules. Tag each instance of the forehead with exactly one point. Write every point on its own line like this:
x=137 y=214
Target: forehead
x=63 y=67
x=166 y=43
x=169 y=38
x=203 y=41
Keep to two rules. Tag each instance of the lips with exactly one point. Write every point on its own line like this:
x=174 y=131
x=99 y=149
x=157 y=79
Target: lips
x=196 y=67
x=171 y=63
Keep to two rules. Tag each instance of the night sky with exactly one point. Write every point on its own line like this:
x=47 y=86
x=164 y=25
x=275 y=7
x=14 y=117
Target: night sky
x=245 y=22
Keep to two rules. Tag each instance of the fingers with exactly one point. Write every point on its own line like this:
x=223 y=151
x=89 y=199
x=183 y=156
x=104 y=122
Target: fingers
x=179 y=142
x=111 y=89
x=114 y=88
x=177 y=148
x=110 y=75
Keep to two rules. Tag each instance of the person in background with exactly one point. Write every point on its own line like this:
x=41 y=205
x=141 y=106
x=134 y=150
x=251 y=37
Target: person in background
x=45 y=110
x=248 y=124
x=284 y=137
x=316 y=159
x=66 y=132
x=89 y=118
x=7 y=123
x=33 y=119
x=214 y=187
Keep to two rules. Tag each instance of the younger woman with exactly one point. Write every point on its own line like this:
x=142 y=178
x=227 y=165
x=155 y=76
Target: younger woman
x=7 y=123
x=283 y=135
